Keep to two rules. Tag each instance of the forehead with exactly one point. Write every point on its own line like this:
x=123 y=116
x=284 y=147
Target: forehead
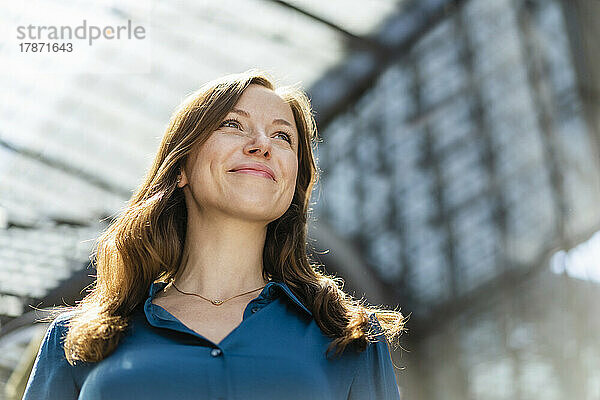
x=260 y=101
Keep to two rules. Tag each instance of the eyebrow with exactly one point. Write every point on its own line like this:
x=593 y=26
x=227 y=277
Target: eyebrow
x=247 y=115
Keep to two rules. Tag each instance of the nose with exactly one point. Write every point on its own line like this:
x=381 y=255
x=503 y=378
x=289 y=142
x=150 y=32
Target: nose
x=258 y=145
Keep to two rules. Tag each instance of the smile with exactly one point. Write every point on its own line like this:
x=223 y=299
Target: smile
x=254 y=172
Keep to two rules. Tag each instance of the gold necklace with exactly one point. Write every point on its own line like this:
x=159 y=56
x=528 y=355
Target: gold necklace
x=215 y=302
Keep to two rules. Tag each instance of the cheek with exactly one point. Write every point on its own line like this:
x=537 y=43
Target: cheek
x=214 y=150
x=292 y=170
x=293 y=180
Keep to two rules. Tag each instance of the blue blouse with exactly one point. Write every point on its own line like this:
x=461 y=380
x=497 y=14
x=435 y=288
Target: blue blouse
x=276 y=352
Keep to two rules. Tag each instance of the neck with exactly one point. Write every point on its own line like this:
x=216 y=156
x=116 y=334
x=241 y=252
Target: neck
x=222 y=260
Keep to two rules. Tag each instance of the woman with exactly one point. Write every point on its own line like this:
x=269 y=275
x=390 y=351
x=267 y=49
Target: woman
x=204 y=289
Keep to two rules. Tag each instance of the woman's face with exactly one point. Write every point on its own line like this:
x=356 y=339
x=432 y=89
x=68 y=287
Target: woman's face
x=260 y=130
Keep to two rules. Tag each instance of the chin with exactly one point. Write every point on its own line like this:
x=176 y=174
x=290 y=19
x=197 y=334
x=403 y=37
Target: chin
x=259 y=209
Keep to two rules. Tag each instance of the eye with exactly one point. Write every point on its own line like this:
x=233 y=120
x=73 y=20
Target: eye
x=234 y=121
x=286 y=135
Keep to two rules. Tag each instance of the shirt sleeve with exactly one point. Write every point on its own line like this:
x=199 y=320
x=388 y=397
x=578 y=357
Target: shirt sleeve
x=52 y=376
x=375 y=378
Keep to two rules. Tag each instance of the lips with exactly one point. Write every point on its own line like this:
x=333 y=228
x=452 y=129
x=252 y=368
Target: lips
x=254 y=167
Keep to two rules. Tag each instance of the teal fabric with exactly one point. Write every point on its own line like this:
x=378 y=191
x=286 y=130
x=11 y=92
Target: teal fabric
x=277 y=352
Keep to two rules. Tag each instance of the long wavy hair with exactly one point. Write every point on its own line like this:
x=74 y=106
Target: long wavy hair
x=144 y=244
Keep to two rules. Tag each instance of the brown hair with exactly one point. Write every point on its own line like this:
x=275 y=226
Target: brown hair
x=144 y=244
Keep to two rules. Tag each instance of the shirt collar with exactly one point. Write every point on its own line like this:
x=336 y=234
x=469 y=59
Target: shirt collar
x=269 y=292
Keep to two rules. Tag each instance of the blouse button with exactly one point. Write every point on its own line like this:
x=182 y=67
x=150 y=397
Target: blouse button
x=215 y=352
x=254 y=309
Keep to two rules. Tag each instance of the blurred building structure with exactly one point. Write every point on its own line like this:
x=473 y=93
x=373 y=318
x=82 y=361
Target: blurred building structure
x=460 y=172
x=465 y=163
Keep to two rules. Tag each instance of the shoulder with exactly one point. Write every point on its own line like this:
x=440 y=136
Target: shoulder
x=60 y=322
x=375 y=376
x=56 y=332
x=379 y=346
x=51 y=375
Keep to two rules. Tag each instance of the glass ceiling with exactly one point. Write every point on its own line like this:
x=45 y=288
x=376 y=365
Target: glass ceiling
x=467 y=158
